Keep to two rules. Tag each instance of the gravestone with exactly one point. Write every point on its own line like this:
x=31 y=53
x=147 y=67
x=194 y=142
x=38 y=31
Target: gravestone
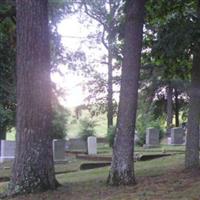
x=7 y=150
x=92 y=145
x=169 y=140
x=59 y=150
x=152 y=137
x=76 y=144
x=177 y=135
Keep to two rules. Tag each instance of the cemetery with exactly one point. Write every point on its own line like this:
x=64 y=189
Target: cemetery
x=99 y=100
x=90 y=162
x=78 y=172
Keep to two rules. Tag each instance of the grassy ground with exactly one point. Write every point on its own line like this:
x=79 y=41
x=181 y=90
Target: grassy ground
x=159 y=179
x=106 y=150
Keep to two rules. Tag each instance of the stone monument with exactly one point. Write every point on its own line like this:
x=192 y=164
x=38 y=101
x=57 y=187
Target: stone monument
x=152 y=137
x=92 y=145
x=177 y=135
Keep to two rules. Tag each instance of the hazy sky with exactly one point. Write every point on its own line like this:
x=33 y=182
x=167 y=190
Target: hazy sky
x=73 y=33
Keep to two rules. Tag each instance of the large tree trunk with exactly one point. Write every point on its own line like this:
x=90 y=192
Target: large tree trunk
x=192 y=143
x=176 y=108
x=110 y=88
x=122 y=167
x=169 y=108
x=33 y=168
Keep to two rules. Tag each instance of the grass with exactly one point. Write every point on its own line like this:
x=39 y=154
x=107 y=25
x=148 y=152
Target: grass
x=159 y=179
x=104 y=149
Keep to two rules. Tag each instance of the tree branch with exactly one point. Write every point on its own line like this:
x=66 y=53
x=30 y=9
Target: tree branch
x=103 y=38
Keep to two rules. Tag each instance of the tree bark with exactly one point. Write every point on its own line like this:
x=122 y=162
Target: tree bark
x=176 y=108
x=2 y=133
x=169 y=108
x=192 y=143
x=33 y=168
x=110 y=88
x=122 y=166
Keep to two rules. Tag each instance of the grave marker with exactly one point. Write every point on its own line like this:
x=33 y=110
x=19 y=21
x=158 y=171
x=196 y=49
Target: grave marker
x=59 y=150
x=152 y=137
x=177 y=135
x=92 y=145
x=7 y=150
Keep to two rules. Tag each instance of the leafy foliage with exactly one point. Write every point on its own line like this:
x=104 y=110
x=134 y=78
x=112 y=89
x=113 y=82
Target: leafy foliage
x=111 y=135
x=146 y=119
x=7 y=75
x=60 y=122
x=87 y=128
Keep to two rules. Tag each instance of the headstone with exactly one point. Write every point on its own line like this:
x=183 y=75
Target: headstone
x=169 y=140
x=7 y=150
x=76 y=144
x=152 y=137
x=92 y=145
x=59 y=150
x=177 y=135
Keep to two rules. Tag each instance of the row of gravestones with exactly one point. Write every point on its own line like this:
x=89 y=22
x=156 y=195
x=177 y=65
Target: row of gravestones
x=152 y=137
x=7 y=148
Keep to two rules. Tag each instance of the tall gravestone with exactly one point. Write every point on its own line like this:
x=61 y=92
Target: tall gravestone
x=92 y=145
x=59 y=150
x=7 y=150
x=152 y=137
x=177 y=135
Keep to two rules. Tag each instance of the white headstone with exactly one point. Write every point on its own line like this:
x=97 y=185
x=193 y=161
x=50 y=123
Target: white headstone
x=7 y=150
x=169 y=140
x=59 y=149
x=92 y=145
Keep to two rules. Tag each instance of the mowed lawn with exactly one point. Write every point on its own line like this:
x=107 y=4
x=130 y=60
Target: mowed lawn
x=158 y=179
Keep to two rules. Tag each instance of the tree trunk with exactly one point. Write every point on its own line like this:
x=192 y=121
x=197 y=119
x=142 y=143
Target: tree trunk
x=122 y=166
x=169 y=109
x=176 y=108
x=33 y=168
x=192 y=143
x=110 y=88
x=2 y=133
